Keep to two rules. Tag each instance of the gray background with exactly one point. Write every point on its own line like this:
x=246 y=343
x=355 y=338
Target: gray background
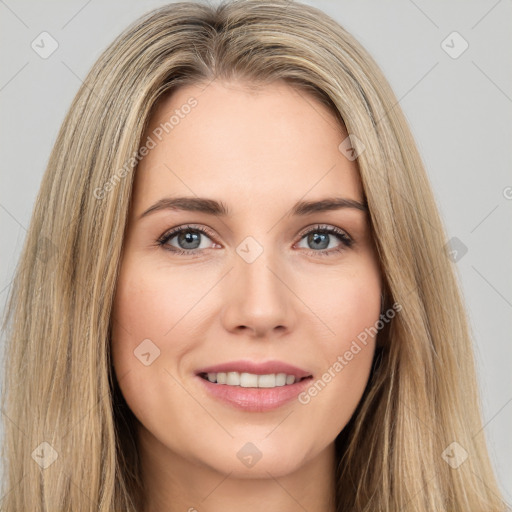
x=459 y=110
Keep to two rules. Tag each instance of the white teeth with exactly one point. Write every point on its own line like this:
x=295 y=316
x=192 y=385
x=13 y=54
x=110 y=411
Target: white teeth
x=267 y=381
x=248 y=380
x=251 y=380
x=290 y=379
x=233 y=379
x=281 y=379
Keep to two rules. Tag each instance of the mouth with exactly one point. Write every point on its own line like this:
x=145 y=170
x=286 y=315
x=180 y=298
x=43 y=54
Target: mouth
x=254 y=387
x=252 y=380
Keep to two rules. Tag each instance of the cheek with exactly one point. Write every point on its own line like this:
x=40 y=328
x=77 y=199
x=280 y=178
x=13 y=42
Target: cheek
x=145 y=310
x=150 y=306
x=142 y=315
x=350 y=307
x=346 y=301
x=358 y=308
x=154 y=322
x=138 y=306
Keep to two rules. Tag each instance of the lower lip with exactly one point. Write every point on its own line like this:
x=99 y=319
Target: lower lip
x=255 y=399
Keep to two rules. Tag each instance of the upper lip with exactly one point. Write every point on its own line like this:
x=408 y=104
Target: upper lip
x=268 y=367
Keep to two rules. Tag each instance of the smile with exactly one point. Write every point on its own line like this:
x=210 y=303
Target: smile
x=251 y=380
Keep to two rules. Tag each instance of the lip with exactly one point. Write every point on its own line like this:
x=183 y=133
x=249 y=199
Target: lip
x=257 y=368
x=255 y=399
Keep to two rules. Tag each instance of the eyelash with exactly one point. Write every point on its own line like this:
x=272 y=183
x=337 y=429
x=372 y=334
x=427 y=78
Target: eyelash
x=331 y=230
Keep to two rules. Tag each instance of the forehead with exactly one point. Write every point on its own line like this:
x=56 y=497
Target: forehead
x=245 y=144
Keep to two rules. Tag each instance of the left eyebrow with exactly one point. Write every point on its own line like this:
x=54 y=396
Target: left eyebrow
x=335 y=203
x=219 y=209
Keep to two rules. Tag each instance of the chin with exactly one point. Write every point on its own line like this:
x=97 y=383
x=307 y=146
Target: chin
x=243 y=458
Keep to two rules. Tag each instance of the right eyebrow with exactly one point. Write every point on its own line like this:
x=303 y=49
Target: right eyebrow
x=191 y=204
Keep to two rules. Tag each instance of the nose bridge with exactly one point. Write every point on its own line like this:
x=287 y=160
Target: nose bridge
x=257 y=298
x=256 y=273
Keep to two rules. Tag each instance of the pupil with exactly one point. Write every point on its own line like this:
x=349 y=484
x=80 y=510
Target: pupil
x=189 y=237
x=318 y=238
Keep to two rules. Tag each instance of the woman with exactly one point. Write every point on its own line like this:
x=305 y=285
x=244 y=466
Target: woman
x=234 y=291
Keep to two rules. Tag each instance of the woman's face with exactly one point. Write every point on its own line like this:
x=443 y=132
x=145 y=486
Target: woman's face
x=269 y=287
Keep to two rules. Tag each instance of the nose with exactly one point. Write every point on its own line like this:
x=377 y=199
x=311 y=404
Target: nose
x=258 y=298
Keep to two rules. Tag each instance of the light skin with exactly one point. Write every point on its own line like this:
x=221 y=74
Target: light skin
x=258 y=152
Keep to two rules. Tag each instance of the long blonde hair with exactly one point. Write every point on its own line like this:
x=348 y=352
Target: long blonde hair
x=59 y=385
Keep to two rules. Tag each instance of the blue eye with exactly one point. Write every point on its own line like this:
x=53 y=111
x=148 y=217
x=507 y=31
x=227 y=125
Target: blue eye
x=188 y=240
x=320 y=238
